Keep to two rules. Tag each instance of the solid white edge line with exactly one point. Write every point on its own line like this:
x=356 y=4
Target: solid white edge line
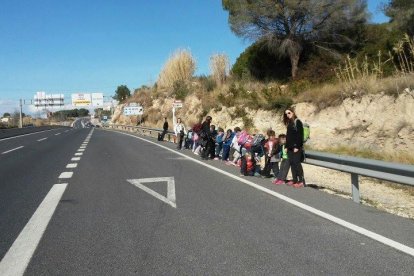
x=17 y=258
x=8 y=138
x=12 y=150
x=372 y=235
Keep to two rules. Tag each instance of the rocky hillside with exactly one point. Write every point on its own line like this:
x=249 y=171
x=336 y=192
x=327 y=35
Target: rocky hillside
x=375 y=122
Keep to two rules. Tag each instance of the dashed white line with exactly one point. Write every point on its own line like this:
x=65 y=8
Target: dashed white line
x=71 y=165
x=75 y=159
x=81 y=150
x=40 y=140
x=82 y=147
x=12 y=150
x=14 y=137
x=57 y=134
x=66 y=175
x=79 y=154
x=18 y=256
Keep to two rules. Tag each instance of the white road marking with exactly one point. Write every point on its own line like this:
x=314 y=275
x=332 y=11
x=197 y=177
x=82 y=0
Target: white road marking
x=82 y=147
x=372 y=235
x=71 y=165
x=57 y=134
x=42 y=139
x=79 y=154
x=75 y=159
x=12 y=150
x=66 y=175
x=81 y=150
x=18 y=136
x=170 y=199
x=17 y=258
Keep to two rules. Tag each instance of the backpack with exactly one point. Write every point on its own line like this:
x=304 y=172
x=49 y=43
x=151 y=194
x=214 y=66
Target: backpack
x=258 y=139
x=197 y=128
x=249 y=142
x=306 y=131
x=243 y=138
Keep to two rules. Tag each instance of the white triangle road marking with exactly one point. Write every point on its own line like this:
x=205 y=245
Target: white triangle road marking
x=170 y=199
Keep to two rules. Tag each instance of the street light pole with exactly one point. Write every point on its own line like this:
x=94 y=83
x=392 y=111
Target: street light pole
x=21 y=115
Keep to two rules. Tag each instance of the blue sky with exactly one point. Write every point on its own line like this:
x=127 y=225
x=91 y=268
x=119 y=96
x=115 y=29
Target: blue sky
x=88 y=46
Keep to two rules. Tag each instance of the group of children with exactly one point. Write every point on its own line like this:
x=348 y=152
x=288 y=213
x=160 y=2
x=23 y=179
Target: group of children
x=256 y=155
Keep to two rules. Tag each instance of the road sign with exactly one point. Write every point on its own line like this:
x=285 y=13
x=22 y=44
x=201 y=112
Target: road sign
x=41 y=99
x=97 y=99
x=133 y=110
x=105 y=118
x=177 y=104
x=170 y=199
x=81 y=100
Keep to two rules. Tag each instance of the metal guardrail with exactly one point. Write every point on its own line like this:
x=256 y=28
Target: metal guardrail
x=393 y=172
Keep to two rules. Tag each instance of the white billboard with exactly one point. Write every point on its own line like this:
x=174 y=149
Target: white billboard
x=41 y=99
x=133 y=110
x=81 y=100
x=97 y=99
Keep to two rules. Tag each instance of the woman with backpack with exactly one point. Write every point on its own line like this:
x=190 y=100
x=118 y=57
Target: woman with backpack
x=294 y=145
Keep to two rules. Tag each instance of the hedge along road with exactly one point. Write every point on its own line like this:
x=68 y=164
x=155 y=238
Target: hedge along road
x=106 y=225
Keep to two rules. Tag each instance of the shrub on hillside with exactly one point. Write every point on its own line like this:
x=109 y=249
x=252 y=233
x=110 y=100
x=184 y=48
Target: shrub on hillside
x=207 y=83
x=180 y=90
x=179 y=67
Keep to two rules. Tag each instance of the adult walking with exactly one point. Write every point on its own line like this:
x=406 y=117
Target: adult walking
x=294 y=145
x=206 y=138
x=180 y=131
x=165 y=129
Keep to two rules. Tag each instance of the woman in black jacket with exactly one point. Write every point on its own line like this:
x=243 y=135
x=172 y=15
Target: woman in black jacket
x=294 y=145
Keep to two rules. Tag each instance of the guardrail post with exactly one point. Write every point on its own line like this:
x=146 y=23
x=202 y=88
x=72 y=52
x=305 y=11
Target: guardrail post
x=355 y=187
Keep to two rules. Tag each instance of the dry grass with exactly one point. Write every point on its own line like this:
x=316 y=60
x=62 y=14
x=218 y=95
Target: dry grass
x=356 y=78
x=179 y=67
x=334 y=94
x=219 y=67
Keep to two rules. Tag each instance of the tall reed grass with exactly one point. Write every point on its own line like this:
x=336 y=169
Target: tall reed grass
x=179 y=67
x=219 y=67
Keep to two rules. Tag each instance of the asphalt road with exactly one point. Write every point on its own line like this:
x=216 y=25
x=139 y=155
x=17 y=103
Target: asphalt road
x=104 y=225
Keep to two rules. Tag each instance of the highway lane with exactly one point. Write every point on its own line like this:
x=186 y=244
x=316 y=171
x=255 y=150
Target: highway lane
x=25 y=140
x=106 y=226
x=28 y=174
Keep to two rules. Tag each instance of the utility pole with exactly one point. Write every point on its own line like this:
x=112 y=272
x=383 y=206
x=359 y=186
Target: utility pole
x=21 y=115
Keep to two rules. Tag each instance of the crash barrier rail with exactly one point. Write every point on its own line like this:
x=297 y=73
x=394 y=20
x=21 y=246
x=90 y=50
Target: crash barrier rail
x=393 y=172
